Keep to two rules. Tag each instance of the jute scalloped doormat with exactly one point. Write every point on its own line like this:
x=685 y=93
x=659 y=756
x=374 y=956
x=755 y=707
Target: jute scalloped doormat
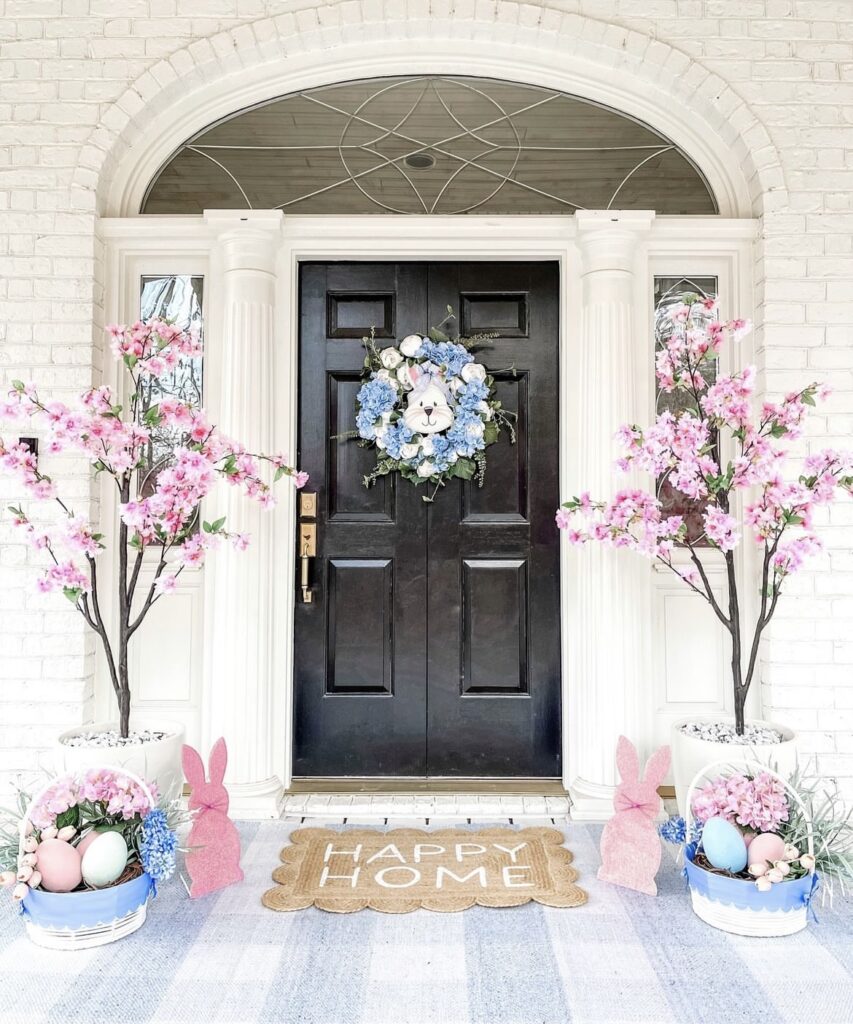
x=407 y=868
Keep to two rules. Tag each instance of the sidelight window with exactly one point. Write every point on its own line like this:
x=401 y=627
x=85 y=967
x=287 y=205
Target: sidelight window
x=668 y=292
x=177 y=298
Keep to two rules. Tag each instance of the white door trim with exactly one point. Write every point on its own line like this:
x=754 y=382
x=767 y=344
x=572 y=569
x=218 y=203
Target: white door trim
x=727 y=241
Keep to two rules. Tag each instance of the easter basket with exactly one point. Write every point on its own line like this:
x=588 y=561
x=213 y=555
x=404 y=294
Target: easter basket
x=735 y=904
x=92 y=917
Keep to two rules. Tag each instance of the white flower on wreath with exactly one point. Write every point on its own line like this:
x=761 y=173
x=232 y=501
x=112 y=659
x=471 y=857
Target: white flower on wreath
x=427 y=447
x=409 y=451
x=390 y=358
x=387 y=375
x=426 y=468
x=404 y=376
x=475 y=429
x=485 y=410
x=410 y=346
x=473 y=371
x=455 y=384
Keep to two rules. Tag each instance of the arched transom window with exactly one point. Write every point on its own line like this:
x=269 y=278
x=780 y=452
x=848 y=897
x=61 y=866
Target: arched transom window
x=429 y=145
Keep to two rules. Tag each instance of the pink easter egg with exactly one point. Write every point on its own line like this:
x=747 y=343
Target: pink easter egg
x=766 y=846
x=59 y=866
x=86 y=842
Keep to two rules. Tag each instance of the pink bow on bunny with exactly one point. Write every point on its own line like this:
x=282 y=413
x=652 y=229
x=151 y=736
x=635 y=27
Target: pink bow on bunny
x=214 y=858
x=630 y=845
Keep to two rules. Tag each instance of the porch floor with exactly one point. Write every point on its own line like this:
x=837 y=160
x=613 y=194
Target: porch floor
x=622 y=957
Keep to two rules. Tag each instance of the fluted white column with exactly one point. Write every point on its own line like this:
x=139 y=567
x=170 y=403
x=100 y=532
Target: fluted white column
x=611 y=590
x=239 y=667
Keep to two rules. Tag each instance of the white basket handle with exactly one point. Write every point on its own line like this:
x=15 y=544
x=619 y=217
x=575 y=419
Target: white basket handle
x=143 y=785
x=748 y=763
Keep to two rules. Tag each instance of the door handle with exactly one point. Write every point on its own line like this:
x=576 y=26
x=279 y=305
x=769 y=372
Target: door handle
x=307 y=551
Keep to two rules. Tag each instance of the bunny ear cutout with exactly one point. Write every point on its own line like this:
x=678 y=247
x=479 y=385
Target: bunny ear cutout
x=218 y=761
x=627 y=761
x=415 y=375
x=657 y=767
x=193 y=766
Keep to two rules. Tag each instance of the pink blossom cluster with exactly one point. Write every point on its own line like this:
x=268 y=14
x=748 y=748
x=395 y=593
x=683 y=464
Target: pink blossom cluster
x=756 y=802
x=676 y=447
x=121 y=794
x=55 y=800
x=727 y=400
x=95 y=430
x=117 y=444
x=683 y=450
x=633 y=520
x=153 y=347
x=112 y=787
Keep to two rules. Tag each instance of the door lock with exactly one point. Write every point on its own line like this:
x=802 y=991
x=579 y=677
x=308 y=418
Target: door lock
x=307 y=551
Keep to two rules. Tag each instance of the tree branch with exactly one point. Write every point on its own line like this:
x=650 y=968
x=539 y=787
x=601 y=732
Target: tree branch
x=709 y=593
x=150 y=597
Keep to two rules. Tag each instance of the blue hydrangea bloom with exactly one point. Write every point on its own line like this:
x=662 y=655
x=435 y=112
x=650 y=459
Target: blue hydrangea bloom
x=395 y=437
x=674 y=830
x=375 y=397
x=447 y=353
x=157 y=846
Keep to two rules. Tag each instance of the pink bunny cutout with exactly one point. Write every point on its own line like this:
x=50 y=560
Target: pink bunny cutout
x=630 y=845
x=214 y=858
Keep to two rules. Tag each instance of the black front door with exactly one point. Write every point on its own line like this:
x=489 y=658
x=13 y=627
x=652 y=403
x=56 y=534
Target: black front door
x=432 y=644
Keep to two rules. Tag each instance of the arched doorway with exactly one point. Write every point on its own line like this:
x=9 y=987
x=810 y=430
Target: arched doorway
x=415 y=169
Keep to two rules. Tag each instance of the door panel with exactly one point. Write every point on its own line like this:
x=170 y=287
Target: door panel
x=432 y=644
x=359 y=709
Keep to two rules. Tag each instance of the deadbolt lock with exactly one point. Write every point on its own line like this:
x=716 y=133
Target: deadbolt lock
x=307 y=505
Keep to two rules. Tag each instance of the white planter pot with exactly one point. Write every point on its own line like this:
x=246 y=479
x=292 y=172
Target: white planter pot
x=691 y=754
x=158 y=762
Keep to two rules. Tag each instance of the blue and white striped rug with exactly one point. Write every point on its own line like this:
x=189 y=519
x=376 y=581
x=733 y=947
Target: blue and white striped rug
x=623 y=957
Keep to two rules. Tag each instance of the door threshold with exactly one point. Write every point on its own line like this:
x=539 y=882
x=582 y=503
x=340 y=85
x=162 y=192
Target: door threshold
x=398 y=784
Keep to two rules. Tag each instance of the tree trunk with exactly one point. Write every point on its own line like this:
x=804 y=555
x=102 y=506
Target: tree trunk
x=123 y=622
x=740 y=701
x=124 y=690
x=739 y=690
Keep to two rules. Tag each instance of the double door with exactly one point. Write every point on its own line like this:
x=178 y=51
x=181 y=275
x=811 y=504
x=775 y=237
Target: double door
x=431 y=644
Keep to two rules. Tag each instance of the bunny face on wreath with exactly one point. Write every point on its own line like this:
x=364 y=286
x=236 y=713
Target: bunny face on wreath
x=427 y=408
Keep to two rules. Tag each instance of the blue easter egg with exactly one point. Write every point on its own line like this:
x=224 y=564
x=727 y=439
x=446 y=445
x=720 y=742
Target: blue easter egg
x=724 y=845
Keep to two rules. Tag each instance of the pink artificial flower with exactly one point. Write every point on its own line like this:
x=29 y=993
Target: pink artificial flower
x=563 y=518
x=721 y=528
x=757 y=803
x=166 y=584
x=300 y=479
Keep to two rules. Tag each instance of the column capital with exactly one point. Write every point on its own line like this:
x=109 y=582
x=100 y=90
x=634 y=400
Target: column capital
x=247 y=238
x=608 y=238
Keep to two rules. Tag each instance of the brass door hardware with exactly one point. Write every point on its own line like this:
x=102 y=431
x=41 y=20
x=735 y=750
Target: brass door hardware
x=307 y=551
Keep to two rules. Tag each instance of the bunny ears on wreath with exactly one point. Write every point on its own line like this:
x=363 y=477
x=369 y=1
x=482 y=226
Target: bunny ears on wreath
x=422 y=378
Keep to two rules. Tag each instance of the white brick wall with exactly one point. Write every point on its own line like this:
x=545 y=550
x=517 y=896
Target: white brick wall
x=776 y=74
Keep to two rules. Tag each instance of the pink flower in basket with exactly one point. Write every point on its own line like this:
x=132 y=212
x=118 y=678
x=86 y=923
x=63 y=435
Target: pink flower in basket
x=753 y=802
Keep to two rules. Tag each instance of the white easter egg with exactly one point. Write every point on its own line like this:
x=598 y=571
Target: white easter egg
x=723 y=845
x=105 y=859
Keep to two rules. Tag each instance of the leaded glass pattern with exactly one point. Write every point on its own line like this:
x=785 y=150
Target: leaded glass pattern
x=668 y=292
x=432 y=144
x=177 y=298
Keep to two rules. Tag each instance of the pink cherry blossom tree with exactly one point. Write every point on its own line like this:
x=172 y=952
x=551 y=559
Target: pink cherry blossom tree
x=158 y=505
x=716 y=446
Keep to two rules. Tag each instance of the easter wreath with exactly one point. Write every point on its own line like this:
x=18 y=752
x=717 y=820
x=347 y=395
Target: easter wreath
x=429 y=409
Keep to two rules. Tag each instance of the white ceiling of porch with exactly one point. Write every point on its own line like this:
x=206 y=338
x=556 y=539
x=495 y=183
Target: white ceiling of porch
x=489 y=147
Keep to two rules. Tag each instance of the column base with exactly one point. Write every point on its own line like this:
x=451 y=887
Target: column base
x=591 y=801
x=255 y=801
